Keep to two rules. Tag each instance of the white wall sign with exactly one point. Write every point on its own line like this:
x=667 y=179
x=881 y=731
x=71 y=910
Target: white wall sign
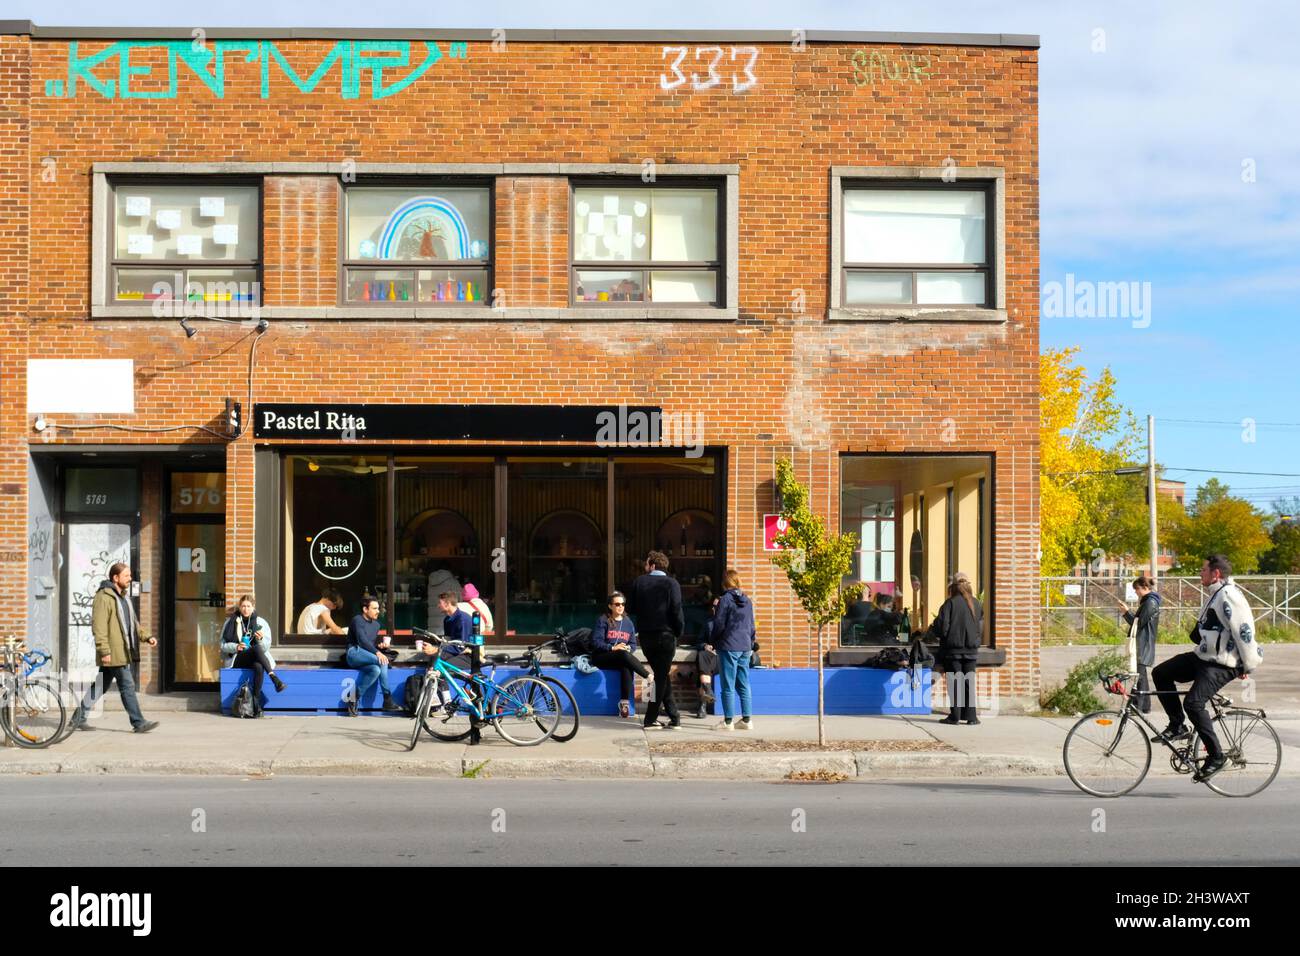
x=336 y=553
x=81 y=386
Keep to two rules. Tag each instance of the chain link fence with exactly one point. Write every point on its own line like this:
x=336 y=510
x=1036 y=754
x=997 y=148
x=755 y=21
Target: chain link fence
x=1088 y=607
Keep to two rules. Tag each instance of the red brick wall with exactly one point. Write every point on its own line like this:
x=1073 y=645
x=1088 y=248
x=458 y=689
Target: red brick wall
x=816 y=389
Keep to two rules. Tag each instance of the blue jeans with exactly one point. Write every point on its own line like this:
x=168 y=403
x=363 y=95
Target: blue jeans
x=373 y=667
x=125 y=687
x=735 y=678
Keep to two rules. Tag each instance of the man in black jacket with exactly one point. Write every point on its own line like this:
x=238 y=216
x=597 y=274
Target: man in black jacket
x=655 y=604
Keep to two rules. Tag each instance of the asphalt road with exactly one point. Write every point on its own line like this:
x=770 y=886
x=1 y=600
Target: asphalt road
x=135 y=821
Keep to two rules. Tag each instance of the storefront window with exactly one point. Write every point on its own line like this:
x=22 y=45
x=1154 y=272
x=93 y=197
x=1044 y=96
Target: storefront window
x=556 y=543
x=918 y=519
x=670 y=505
x=445 y=525
x=672 y=228
x=90 y=491
x=336 y=532
x=425 y=244
x=193 y=241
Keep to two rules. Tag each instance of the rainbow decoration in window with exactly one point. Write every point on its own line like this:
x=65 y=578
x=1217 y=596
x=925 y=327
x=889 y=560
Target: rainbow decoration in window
x=428 y=227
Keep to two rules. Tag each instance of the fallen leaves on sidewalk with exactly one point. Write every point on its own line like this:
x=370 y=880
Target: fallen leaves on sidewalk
x=819 y=775
x=758 y=745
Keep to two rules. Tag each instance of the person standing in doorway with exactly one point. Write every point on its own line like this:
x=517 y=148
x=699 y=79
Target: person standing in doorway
x=116 y=630
x=365 y=653
x=655 y=602
x=1147 y=621
x=733 y=636
x=959 y=626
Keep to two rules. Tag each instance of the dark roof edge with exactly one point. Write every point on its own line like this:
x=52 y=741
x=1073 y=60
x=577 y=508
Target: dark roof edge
x=27 y=28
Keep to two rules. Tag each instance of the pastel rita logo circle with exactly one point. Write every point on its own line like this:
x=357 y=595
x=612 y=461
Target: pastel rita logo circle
x=336 y=553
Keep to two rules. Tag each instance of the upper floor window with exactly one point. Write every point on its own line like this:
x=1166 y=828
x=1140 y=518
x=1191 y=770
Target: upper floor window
x=646 y=244
x=923 y=245
x=200 y=242
x=418 y=244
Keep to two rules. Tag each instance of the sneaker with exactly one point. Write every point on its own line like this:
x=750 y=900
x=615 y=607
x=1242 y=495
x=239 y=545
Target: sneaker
x=391 y=706
x=147 y=726
x=1170 y=734
x=1208 y=769
x=745 y=723
x=673 y=725
x=724 y=725
x=700 y=712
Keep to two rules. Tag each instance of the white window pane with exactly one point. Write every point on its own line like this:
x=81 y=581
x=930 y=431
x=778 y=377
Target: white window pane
x=886 y=566
x=426 y=222
x=611 y=225
x=684 y=226
x=950 y=288
x=876 y=288
x=169 y=222
x=914 y=225
x=684 y=287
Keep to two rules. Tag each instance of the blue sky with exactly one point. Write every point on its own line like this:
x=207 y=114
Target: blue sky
x=1147 y=128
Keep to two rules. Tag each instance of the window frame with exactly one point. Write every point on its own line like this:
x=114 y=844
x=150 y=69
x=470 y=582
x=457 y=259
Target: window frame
x=913 y=269
x=989 y=178
x=488 y=264
x=113 y=181
x=717 y=266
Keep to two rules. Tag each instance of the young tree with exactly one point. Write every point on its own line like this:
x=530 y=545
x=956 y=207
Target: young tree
x=1284 y=555
x=816 y=564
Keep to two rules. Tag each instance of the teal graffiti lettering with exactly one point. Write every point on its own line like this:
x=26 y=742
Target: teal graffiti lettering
x=208 y=64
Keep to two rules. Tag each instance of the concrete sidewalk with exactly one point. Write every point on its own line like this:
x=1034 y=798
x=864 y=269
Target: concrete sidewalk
x=605 y=747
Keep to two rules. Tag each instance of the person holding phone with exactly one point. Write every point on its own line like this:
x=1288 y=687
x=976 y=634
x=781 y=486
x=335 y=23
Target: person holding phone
x=245 y=642
x=614 y=642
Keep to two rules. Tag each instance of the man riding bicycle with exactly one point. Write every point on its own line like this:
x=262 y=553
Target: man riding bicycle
x=1224 y=635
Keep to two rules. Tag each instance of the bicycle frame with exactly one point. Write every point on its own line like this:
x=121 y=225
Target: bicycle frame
x=456 y=678
x=1218 y=703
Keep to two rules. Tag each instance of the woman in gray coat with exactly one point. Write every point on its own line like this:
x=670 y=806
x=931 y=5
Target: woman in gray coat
x=1147 y=617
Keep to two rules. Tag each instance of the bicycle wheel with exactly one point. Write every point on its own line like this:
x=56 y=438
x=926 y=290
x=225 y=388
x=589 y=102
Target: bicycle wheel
x=567 y=728
x=33 y=714
x=445 y=720
x=421 y=709
x=525 y=711
x=1106 y=755
x=1253 y=750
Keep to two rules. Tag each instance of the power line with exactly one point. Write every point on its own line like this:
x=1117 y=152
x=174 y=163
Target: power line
x=1237 y=424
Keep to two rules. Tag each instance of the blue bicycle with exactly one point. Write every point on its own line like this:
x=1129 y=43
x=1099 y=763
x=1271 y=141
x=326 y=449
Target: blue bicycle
x=32 y=713
x=455 y=704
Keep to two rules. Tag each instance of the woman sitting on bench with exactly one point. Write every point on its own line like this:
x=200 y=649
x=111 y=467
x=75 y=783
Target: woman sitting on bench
x=244 y=643
x=613 y=642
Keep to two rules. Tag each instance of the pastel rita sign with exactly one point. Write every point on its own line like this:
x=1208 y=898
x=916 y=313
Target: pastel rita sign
x=161 y=69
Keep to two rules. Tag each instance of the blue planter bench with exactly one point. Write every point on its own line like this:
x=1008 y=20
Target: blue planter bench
x=320 y=690
x=848 y=690
x=789 y=690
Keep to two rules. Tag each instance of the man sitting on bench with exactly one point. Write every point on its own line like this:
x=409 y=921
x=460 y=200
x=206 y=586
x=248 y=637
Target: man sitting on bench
x=365 y=653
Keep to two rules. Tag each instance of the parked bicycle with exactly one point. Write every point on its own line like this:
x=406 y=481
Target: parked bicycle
x=1108 y=753
x=531 y=661
x=32 y=712
x=453 y=703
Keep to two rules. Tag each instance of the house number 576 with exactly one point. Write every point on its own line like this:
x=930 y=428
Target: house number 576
x=713 y=55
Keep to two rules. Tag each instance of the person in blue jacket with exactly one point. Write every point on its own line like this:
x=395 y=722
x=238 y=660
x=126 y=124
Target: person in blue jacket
x=733 y=636
x=613 y=641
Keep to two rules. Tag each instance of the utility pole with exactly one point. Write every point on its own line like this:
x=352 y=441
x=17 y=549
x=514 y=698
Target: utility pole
x=1151 y=487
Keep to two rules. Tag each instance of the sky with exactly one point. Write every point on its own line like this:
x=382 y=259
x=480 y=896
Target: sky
x=1169 y=158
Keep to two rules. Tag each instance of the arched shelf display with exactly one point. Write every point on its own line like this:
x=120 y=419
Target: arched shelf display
x=439 y=533
x=571 y=535
x=690 y=539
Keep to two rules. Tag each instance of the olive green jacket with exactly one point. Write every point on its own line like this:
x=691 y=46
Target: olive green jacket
x=106 y=626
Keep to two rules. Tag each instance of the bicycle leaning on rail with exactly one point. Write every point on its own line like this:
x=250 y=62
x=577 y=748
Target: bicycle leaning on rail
x=1108 y=753
x=32 y=713
x=453 y=703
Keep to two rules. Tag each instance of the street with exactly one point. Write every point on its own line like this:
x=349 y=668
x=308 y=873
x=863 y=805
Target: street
x=186 y=820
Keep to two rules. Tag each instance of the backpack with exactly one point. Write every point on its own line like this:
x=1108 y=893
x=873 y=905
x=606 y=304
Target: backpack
x=577 y=642
x=890 y=659
x=414 y=685
x=242 y=705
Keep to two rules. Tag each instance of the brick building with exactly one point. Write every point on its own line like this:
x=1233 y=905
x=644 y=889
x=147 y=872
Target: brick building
x=481 y=257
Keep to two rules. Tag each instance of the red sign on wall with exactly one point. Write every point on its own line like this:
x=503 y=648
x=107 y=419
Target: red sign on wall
x=773 y=525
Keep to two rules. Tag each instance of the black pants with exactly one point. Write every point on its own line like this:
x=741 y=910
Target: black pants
x=626 y=663
x=1144 y=686
x=961 y=687
x=255 y=659
x=1207 y=678
x=659 y=650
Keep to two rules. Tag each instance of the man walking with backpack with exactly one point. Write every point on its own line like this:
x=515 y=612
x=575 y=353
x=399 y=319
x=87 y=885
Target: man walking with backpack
x=116 y=630
x=1224 y=635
